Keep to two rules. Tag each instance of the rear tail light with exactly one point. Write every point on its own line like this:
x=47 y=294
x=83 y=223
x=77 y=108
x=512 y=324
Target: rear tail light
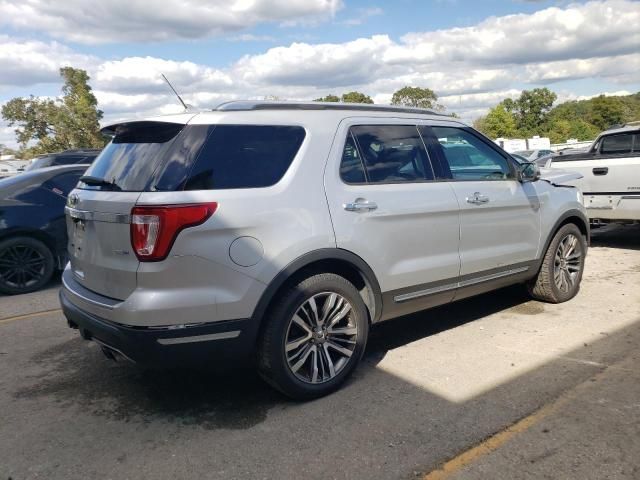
x=155 y=228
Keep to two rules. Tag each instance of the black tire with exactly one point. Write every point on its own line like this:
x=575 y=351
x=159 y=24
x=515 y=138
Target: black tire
x=26 y=265
x=273 y=363
x=544 y=286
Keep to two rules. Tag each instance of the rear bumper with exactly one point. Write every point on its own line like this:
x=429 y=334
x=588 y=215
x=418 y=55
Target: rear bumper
x=196 y=345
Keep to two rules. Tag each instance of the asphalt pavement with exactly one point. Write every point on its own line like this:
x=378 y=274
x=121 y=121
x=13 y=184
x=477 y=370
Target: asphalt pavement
x=497 y=386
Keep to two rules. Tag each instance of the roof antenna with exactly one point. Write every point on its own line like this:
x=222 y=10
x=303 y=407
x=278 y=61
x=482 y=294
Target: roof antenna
x=186 y=107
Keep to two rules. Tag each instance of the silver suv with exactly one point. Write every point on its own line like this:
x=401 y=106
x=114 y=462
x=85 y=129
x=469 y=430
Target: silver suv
x=285 y=230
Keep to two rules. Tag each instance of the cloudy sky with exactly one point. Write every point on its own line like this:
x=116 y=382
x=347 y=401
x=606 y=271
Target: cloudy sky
x=472 y=53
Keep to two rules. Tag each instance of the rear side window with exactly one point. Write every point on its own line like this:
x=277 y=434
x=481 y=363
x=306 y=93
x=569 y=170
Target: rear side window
x=392 y=153
x=617 y=143
x=244 y=156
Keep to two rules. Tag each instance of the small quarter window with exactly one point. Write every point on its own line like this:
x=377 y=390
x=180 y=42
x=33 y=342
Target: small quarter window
x=351 y=169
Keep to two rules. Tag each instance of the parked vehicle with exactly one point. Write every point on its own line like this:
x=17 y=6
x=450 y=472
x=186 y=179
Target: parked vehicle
x=284 y=230
x=68 y=157
x=7 y=169
x=33 y=236
x=534 y=155
x=611 y=175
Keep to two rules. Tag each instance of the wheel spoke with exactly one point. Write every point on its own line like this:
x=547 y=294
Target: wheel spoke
x=327 y=355
x=343 y=331
x=340 y=315
x=314 y=310
x=297 y=343
x=328 y=306
x=344 y=351
x=302 y=324
x=303 y=359
x=314 y=368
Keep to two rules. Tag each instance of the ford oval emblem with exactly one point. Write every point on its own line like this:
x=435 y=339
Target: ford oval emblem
x=73 y=199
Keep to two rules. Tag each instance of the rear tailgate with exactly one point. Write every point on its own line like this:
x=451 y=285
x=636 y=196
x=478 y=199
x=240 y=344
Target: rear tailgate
x=99 y=246
x=99 y=209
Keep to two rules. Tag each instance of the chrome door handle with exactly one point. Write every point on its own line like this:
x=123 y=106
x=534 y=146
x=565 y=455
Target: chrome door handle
x=360 y=205
x=478 y=199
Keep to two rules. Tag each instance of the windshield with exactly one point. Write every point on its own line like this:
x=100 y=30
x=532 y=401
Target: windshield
x=40 y=163
x=524 y=153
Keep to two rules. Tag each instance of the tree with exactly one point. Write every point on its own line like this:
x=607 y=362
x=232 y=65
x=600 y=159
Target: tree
x=71 y=121
x=416 y=97
x=498 y=123
x=531 y=110
x=356 y=97
x=328 y=98
x=606 y=112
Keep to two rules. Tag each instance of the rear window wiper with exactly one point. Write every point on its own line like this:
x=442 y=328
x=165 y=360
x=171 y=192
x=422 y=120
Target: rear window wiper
x=99 y=182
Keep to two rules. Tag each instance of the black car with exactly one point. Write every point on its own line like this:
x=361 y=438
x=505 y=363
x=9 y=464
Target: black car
x=33 y=235
x=68 y=157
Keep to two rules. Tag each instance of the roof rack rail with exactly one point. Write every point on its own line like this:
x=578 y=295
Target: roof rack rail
x=247 y=105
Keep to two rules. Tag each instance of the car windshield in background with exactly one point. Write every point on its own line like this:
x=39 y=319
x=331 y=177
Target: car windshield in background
x=524 y=153
x=40 y=163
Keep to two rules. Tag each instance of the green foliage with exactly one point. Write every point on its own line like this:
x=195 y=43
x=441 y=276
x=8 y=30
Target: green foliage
x=499 y=122
x=534 y=115
x=416 y=97
x=356 y=97
x=71 y=121
x=530 y=110
x=328 y=98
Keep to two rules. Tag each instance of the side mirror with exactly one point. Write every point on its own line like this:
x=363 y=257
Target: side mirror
x=528 y=172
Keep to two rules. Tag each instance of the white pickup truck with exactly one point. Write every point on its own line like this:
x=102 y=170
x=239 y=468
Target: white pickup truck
x=610 y=171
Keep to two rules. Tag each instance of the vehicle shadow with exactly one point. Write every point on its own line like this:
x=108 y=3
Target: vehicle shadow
x=219 y=396
x=616 y=236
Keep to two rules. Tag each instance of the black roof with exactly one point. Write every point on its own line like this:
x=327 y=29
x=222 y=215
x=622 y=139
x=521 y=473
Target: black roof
x=246 y=105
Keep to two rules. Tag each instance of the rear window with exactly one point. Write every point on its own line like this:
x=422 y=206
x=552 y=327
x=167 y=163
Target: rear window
x=150 y=156
x=131 y=158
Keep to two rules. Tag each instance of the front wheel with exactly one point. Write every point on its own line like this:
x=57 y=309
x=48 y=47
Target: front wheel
x=561 y=272
x=314 y=337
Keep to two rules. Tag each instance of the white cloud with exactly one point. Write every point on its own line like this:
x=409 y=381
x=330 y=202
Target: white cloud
x=30 y=62
x=91 y=22
x=471 y=68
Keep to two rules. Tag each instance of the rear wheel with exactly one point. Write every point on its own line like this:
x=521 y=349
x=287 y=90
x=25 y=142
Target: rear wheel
x=26 y=265
x=314 y=337
x=561 y=272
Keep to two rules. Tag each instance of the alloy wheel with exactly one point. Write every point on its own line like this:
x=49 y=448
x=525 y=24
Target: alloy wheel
x=321 y=338
x=567 y=263
x=21 y=266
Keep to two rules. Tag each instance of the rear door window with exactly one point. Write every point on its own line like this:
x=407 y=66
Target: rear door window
x=244 y=156
x=617 y=144
x=392 y=153
x=63 y=184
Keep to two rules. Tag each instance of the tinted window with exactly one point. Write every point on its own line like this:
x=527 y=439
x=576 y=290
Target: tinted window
x=393 y=153
x=617 y=143
x=351 y=169
x=244 y=156
x=469 y=157
x=68 y=160
x=64 y=183
x=131 y=158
